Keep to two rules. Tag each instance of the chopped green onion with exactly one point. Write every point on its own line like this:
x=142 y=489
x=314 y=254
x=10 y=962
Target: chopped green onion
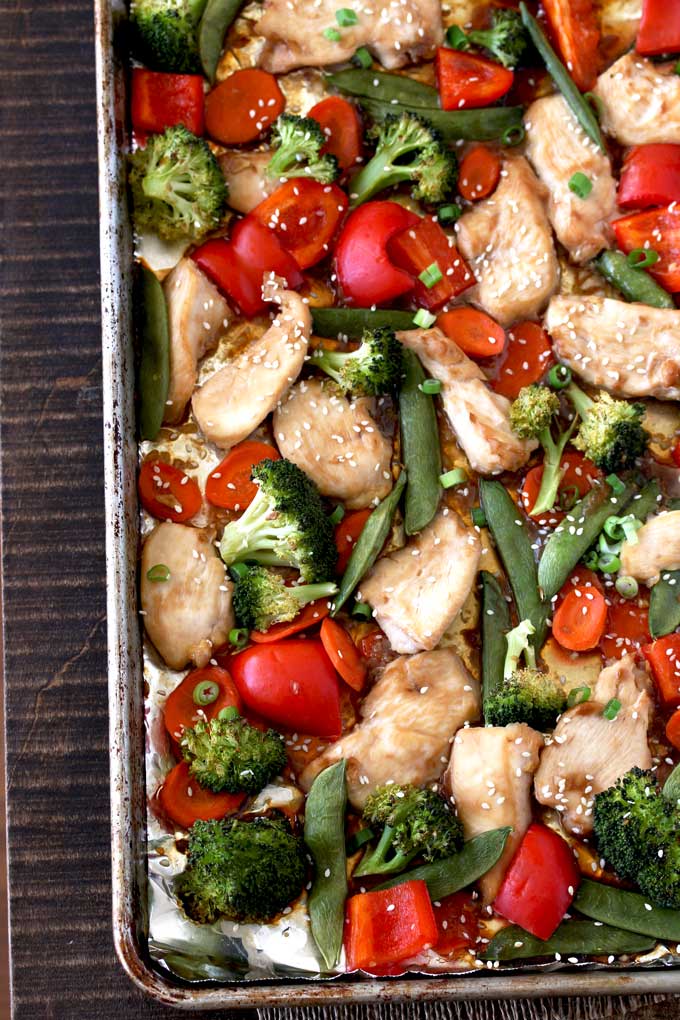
x=627 y=587
x=616 y=484
x=449 y=213
x=159 y=572
x=424 y=319
x=431 y=386
x=345 y=17
x=456 y=38
x=206 y=692
x=478 y=517
x=608 y=563
x=640 y=258
x=362 y=58
x=238 y=570
x=513 y=135
x=431 y=275
x=622 y=529
x=612 y=709
x=332 y=34
x=608 y=545
x=591 y=560
x=238 y=636
x=337 y=514
x=362 y=610
x=577 y=695
x=228 y=713
x=580 y=184
x=358 y=840
x=559 y=376
x=455 y=477
x=569 y=497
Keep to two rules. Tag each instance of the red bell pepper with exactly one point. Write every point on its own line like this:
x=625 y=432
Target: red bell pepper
x=675 y=454
x=540 y=883
x=627 y=627
x=658 y=230
x=305 y=216
x=365 y=271
x=663 y=656
x=160 y=100
x=465 y=80
x=650 y=176
x=425 y=245
x=389 y=925
x=659 y=30
x=573 y=26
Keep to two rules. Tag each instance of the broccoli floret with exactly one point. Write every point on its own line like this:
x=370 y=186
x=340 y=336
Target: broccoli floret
x=506 y=40
x=178 y=190
x=531 y=417
x=228 y=754
x=164 y=34
x=298 y=142
x=408 y=149
x=241 y=870
x=611 y=432
x=525 y=695
x=373 y=369
x=414 y=822
x=284 y=526
x=638 y=833
x=261 y=598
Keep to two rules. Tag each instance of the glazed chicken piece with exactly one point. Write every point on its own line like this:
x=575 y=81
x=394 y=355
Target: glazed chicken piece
x=657 y=549
x=197 y=316
x=189 y=614
x=239 y=396
x=418 y=591
x=508 y=242
x=632 y=350
x=558 y=148
x=479 y=417
x=407 y=723
x=589 y=752
x=246 y=179
x=641 y=101
x=397 y=32
x=490 y=776
x=336 y=442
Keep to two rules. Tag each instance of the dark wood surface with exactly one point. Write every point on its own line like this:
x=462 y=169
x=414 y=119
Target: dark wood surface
x=63 y=964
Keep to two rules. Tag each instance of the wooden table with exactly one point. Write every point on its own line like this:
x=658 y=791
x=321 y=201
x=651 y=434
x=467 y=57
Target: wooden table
x=53 y=535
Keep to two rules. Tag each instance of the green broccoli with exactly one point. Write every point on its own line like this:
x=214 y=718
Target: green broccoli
x=228 y=754
x=284 y=526
x=241 y=870
x=408 y=149
x=261 y=598
x=298 y=142
x=637 y=831
x=373 y=369
x=506 y=40
x=164 y=34
x=415 y=823
x=611 y=432
x=178 y=190
x=531 y=416
x=525 y=695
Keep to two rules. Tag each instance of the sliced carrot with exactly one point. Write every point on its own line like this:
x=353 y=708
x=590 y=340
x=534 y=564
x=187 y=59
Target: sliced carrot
x=528 y=356
x=627 y=627
x=673 y=729
x=577 y=480
x=579 y=622
x=309 y=616
x=185 y=801
x=476 y=333
x=182 y=712
x=479 y=173
x=229 y=485
x=342 y=126
x=582 y=578
x=240 y=108
x=342 y=652
x=346 y=534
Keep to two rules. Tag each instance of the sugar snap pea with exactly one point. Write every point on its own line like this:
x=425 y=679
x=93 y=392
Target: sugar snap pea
x=671 y=788
x=572 y=938
x=388 y=88
x=154 y=362
x=664 y=604
x=370 y=542
x=420 y=448
x=483 y=125
x=325 y=837
x=634 y=284
x=351 y=322
x=646 y=501
x=495 y=625
x=629 y=910
x=215 y=21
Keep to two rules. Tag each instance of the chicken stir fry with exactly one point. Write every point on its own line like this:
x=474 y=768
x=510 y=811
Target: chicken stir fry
x=657 y=548
x=247 y=183
x=640 y=101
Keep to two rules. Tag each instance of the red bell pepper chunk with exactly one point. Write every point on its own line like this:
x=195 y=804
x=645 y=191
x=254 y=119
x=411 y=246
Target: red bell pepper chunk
x=663 y=656
x=659 y=30
x=305 y=216
x=389 y=925
x=650 y=176
x=658 y=230
x=365 y=271
x=465 y=80
x=675 y=454
x=540 y=883
x=425 y=245
x=160 y=100
x=573 y=25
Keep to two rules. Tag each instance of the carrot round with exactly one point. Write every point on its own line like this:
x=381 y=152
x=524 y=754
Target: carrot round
x=577 y=480
x=580 y=620
x=229 y=485
x=342 y=652
x=476 y=333
x=528 y=357
x=309 y=616
x=185 y=801
x=342 y=126
x=201 y=695
x=479 y=173
x=240 y=108
x=673 y=729
x=346 y=534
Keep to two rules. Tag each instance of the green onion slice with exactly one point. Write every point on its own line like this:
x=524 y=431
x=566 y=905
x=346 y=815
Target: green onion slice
x=456 y=38
x=455 y=477
x=627 y=587
x=559 y=376
x=359 y=839
x=615 y=483
x=431 y=275
x=640 y=258
x=431 y=386
x=577 y=695
x=337 y=514
x=362 y=58
x=331 y=34
x=568 y=497
x=230 y=712
x=612 y=709
x=238 y=636
x=345 y=17
x=513 y=135
x=424 y=319
x=478 y=517
x=449 y=213
x=608 y=563
x=580 y=184
x=159 y=572
x=206 y=692
x=362 y=611
x=238 y=570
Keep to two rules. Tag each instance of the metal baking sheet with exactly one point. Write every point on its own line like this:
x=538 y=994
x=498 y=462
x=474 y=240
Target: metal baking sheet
x=128 y=793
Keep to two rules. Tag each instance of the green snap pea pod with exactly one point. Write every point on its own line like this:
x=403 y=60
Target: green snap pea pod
x=325 y=837
x=370 y=542
x=572 y=938
x=215 y=22
x=646 y=501
x=483 y=125
x=154 y=362
x=634 y=284
x=514 y=547
x=580 y=107
x=495 y=625
x=580 y=528
x=671 y=788
x=420 y=448
x=459 y=871
x=387 y=88
x=664 y=604
x=351 y=322
x=628 y=910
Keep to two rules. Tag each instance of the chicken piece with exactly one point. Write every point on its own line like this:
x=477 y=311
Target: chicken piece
x=479 y=417
x=417 y=592
x=336 y=442
x=508 y=241
x=189 y=614
x=239 y=397
x=399 y=33
x=489 y=776
x=197 y=317
x=640 y=100
x=589 y=752
x=246 y=180
x=632 y=350
x=558 y=148
x=407 y=725
x=657 y=548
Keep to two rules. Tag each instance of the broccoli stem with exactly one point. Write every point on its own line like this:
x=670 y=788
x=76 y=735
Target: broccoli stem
x=553 y=472
x=518 y=645
x=304 y=593
x=375 y=862
x=282 y=162
x=332 y=362
x=254 y=530
x=379 y=173
x=581 y=401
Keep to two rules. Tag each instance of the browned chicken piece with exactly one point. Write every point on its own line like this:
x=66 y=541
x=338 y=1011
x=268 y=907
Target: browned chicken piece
x=246 y=180
x=632 y=350
x=508 y=241
x=190 y=613
x=397 y=32
x=490 y=776
x=197 y=316
x=235 y=400
x=640 y=100
x=558 y=148
x=589 y=752
x=418 y=591
x=336 y=442
x=479 y=417
x=407 y=724
x=657 y=549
